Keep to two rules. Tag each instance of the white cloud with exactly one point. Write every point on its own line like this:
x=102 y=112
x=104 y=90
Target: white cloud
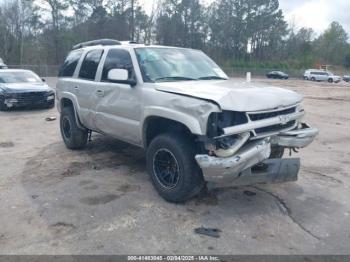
x=317 y=14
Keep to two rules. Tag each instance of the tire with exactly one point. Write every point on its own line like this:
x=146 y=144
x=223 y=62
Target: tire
x=276 y=152
x=3 y=107
x=173 y=169
x=313 y=79
x=330 y=80
x=73 y=136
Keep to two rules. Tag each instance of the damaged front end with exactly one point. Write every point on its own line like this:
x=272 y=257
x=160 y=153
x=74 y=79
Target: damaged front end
x=238 y=146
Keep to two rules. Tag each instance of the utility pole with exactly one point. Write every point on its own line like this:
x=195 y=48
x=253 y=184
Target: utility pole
x=132 y=23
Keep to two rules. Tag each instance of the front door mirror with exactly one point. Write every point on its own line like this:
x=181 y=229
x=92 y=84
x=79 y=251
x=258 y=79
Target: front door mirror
x=120 y=76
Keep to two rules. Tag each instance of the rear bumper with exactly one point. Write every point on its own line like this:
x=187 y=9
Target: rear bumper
x=237 y=169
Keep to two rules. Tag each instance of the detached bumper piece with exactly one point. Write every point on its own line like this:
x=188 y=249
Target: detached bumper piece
x=297 y=138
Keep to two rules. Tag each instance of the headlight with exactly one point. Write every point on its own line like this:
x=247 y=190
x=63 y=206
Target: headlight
x=300 y=108
x=11 y=101
x=218 y=121
x=51 y=97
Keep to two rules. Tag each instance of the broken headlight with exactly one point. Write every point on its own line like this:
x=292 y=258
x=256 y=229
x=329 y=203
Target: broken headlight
x=218 y=121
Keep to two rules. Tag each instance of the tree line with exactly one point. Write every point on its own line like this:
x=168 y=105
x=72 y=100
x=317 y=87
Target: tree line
x=234 y=32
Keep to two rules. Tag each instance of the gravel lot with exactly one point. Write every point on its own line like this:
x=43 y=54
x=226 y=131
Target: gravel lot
x=100 y=200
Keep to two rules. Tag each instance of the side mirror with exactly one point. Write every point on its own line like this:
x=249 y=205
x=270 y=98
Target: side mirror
x=43 y=79
x=120 y=76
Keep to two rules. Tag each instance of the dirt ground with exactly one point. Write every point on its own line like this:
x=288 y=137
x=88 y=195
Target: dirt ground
x=100 y=200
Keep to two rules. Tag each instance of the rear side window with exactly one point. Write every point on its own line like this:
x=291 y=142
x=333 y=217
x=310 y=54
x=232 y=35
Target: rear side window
x=117 y=59
x=69 y=65
x=89 y=66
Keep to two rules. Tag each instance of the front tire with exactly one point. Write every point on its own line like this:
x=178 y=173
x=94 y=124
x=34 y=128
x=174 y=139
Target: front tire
x=172 y=167
x=330 y=80
x=73 y=136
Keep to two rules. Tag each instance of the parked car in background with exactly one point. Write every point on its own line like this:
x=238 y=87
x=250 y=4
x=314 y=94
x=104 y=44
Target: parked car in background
x=277 y=75
x=321 y=75
x=346 y=78
x=2 y=64
x=23 y=88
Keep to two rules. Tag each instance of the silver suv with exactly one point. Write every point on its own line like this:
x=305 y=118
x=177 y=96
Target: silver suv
x=195 y=124
x=321 y=75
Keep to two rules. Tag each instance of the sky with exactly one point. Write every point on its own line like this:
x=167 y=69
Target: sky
x=317 y=14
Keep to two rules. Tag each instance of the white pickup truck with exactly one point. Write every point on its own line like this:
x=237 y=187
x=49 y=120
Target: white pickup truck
x=195 y=124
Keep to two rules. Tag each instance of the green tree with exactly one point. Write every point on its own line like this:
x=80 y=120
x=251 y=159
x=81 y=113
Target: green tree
x=332 y=44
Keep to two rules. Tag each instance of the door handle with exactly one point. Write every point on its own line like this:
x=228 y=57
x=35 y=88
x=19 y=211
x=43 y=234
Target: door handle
x=100 y=93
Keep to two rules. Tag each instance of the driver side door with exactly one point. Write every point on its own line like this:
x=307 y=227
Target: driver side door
x=118 y=106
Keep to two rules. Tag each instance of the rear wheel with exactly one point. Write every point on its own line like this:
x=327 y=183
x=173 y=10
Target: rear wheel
x=172 y=167
x=313 y=79
x=330 y=80
x=73 y=136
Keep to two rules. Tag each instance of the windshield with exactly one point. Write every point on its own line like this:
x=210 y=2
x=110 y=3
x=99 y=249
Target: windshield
x=176 y=64
x=19 y=77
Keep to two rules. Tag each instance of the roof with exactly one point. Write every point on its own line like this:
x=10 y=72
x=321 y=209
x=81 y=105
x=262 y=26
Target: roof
x=113 y=42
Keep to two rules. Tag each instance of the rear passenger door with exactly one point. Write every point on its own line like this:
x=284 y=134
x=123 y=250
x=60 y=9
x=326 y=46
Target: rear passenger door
x=86 y=89
x=118 y=108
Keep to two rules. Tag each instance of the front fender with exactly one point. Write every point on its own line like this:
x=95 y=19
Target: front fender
x=189 y=121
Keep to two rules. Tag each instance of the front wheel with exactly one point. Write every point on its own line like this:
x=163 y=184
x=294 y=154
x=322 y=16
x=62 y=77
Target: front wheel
x=172 y=167
x=330 y=80
x=73 y=136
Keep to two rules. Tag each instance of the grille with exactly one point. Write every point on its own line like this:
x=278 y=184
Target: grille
x=31 y=97
x=274 y=128
x=265 y=115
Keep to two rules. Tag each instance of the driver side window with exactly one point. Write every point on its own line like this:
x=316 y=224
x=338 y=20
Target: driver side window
x=117 y=59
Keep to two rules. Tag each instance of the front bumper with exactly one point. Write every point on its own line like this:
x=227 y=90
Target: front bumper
x=233 y=169
x=297 y=138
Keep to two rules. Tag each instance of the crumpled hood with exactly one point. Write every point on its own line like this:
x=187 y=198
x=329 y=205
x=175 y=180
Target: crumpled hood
x=24 y=87
x=234 y=95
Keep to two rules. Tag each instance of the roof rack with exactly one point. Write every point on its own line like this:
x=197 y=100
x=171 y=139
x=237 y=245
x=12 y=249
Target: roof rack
x=97 y=42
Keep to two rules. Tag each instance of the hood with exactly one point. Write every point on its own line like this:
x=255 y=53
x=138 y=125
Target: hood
x=24 y=87
x=234 y=95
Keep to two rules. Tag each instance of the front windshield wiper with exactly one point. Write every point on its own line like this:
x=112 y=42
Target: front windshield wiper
x=175 y=78
x=212 y=78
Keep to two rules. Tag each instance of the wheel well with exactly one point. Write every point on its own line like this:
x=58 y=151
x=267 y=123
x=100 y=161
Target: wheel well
x=154 y=126
x=65 y=102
